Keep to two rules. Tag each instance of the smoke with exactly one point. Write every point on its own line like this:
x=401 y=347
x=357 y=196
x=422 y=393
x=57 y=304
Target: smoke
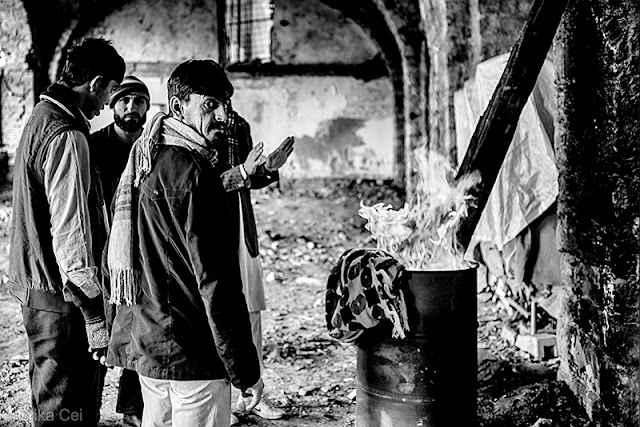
x=422 y=235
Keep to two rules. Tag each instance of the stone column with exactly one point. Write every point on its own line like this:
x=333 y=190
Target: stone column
x=598 y=147
x=403 y=19
x=465 y=46
x=453 y=50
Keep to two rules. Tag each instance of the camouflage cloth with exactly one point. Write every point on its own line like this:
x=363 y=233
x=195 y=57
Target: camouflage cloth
x=364 y=289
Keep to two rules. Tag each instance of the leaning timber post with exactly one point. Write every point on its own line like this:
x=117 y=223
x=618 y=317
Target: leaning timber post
x=494 y=132
x=598 y=156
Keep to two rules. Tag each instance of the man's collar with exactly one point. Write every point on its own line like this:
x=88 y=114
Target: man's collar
x=63 y=97
x=86 y=120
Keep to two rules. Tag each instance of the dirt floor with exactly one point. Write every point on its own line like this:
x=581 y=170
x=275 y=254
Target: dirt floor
x=304 y=227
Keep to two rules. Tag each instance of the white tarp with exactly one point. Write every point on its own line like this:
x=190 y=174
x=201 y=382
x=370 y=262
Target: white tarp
x=527 y=183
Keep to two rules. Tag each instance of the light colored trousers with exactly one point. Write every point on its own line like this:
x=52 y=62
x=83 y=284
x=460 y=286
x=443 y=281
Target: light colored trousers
x=185 y=403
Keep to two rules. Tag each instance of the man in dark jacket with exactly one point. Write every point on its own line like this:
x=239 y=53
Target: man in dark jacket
x=183 y=323
x=51 y=268
x=110 y=147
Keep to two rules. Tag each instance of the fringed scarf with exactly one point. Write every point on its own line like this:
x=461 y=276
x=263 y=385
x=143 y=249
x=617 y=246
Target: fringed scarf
x=122 y=251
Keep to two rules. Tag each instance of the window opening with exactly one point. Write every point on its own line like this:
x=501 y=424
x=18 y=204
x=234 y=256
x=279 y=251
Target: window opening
x=248 y=29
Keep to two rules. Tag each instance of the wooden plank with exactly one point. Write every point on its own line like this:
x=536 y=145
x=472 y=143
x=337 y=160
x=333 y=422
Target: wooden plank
x=494 y=132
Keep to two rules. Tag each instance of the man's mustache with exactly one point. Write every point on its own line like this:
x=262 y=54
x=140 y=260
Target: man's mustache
x=131 y=116
x=221 y=126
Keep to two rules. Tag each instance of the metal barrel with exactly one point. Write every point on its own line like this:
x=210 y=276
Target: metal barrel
x=427 y=379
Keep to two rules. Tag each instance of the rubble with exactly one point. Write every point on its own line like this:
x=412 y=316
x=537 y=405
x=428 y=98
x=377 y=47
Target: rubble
x=307 y=372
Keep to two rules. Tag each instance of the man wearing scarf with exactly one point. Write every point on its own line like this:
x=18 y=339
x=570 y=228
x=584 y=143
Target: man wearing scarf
x=51 y=267
x=110 y=147
x=182 y=321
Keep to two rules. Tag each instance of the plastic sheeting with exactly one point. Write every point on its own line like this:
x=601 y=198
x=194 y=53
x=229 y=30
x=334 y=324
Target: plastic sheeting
x=527 y=184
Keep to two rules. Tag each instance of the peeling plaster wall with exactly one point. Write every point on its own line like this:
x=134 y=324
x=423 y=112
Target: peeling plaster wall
x=163 y=31
x=16 y=85
x=343 y=126
x=310 y=32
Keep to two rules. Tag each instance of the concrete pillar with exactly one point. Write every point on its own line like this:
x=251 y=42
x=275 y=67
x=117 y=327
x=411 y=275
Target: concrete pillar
x=403 y=19
x=464 y=52
x=598 y=154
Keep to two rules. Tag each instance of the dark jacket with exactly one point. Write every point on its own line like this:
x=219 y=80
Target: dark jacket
x=191 y=321
x=109 y=155
x=236 y=186
x=34 y=272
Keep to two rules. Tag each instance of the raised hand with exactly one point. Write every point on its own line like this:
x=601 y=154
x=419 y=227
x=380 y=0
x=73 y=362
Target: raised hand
x=254 y=159
x=280 y=155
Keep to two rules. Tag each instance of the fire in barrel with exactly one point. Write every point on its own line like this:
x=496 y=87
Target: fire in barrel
x=410 y=307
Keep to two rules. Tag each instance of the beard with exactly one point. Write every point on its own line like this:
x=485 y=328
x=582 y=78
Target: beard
x=130 y=122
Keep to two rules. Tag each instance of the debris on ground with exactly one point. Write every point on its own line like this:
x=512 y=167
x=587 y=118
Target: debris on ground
x=304 y=226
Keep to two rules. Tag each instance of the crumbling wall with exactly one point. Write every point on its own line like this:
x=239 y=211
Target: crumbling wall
x=162 y=31
x=598 y=207
x=343 y=126
x=16 y=81
x=311 y=32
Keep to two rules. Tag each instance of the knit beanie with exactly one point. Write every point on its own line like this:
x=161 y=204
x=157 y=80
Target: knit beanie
x=129 y=85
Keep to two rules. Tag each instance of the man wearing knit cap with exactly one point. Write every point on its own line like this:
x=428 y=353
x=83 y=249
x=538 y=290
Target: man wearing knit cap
x=110 y=145
x=110 y=149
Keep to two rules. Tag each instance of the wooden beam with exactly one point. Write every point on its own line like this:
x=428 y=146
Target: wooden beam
x=371 y=69
x=494 y=132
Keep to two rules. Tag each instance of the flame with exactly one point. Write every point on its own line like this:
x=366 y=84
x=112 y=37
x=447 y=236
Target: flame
x=422 y=235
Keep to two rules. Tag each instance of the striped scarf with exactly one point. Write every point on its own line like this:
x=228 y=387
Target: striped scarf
x=122 y=251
